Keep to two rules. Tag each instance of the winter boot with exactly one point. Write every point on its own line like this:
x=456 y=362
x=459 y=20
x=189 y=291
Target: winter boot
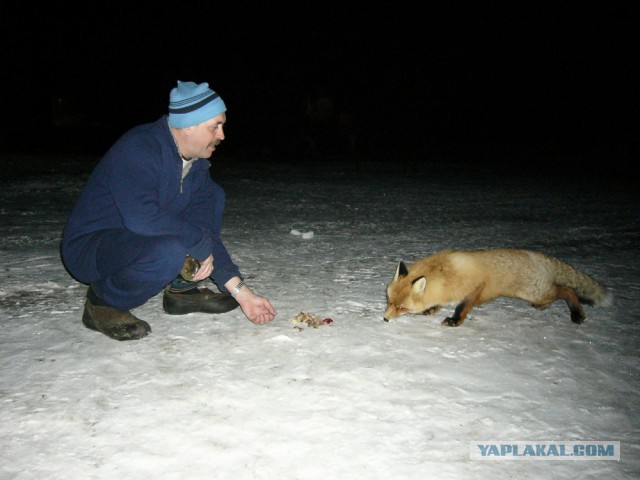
x=114 y=323
x=182 y=297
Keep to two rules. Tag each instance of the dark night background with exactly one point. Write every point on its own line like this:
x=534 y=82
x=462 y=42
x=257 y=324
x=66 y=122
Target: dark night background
x=477 y=82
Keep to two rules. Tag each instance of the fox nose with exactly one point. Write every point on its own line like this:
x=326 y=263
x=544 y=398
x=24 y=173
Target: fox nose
x=385 y=319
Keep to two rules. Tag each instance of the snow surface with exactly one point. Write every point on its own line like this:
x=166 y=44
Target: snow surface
x=217 y=397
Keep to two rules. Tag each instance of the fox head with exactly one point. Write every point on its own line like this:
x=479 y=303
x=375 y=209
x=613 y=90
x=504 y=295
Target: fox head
x=405 y=295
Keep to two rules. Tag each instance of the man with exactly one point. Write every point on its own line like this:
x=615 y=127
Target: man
x=149 y=208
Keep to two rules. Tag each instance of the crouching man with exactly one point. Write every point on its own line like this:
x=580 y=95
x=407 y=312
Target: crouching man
x=150 y=211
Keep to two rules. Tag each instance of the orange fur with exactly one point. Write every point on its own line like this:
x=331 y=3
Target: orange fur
x=467 y=278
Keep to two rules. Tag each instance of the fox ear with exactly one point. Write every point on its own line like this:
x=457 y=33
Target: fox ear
x=401 y=271
x=419 y=284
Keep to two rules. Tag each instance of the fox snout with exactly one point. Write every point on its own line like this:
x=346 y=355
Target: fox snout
x=390 y=313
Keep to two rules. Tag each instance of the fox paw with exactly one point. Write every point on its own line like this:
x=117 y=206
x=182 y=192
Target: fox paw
x=577 y=317
x=451 y=322
x=432 y=310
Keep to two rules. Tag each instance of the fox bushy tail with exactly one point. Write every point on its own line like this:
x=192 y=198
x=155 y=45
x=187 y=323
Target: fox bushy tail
x=588 y=290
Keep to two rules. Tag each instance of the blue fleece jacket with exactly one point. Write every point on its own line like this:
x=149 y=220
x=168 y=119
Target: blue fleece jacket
x=138 y=186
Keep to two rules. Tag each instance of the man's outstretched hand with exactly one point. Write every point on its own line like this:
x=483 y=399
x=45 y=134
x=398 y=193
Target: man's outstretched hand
x=257 y=309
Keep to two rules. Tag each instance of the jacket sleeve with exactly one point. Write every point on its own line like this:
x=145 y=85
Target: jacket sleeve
x=223 y=267
x=210 y=214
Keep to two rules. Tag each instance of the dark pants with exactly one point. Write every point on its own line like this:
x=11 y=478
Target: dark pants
x=125 y=269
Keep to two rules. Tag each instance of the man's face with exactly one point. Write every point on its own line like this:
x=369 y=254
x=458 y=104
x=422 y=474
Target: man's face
x=205 y=137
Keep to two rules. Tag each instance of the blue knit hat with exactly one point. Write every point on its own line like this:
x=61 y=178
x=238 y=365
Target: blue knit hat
x=191 y=104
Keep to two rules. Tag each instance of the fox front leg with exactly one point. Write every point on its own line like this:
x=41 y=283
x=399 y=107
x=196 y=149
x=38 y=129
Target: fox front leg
x=463 y=308
x=458 y=316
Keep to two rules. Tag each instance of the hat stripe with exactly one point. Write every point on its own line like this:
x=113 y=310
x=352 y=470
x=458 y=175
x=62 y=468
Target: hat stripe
x=195 y=98
x=176 y=107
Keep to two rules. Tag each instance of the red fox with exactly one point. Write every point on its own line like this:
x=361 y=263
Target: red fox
x=469 y=278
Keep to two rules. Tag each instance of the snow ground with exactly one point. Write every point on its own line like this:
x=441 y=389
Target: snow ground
x=217 y=397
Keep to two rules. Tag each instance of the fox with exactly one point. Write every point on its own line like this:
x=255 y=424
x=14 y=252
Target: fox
x=467 y=278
